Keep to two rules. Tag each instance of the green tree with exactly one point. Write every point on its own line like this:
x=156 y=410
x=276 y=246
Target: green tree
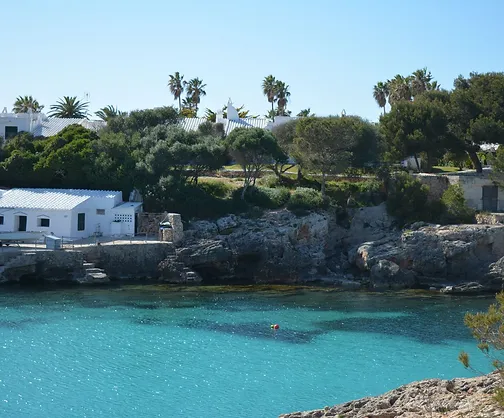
x=411 y=128
x=420 y=81
x=325 y=144
x=177 y=86
x=305 y=113
x=399 y=89
x=407 y=199
x=141 y=121
x=380 y=94
x=455 y=206
x=477 y=112
x=253 y=149
x=69 y=107
x=195 y=90
x=285 y=135
x=26 y=104
x=488 y=330
x=282 y=95
x=269 y=88
x=108 y=112
x=67 y=159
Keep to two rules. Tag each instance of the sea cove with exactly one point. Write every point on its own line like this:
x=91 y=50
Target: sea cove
x=160 y=351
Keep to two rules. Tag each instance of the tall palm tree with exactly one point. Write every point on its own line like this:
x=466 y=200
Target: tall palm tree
x=269 y=86
x=399 y=89
x=177 y=86
x=25 y=104
x=381 y=93
x=434 y=86
x=108 y=112
x=420 y=81
x=283 y=95
x=195 y=90
x=305 y=113
x=69 y=107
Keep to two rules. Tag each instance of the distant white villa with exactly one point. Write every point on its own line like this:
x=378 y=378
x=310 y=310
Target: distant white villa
x=70 y=213
x=40 y=125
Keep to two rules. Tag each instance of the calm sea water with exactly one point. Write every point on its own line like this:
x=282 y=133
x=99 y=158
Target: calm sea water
x=158 y=352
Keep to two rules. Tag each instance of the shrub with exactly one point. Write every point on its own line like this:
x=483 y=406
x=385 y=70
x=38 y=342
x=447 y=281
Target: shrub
x=265 y=197
x=271 y=181
x=407 y=199
x=216 y=188
x=305 y=199
x=363 y=193
x=487 y=328
x=455 y=206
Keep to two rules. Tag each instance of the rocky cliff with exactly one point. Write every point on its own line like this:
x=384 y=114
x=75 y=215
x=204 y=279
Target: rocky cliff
x=362 y=251
x=428 y=398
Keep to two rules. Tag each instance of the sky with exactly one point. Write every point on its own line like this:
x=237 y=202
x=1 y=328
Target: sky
x=330 y=52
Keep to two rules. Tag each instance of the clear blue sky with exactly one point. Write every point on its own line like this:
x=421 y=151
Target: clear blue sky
x=330 y=52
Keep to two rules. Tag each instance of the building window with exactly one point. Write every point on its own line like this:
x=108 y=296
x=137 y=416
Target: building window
x=100 y=211
x=119 y=217
x=44 y=222
x=1 y=220
x=81 y=221
x=10 y=132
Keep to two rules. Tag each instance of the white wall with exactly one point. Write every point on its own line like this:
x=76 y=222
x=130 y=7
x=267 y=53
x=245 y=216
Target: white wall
x=472 y=185
x=21 y=121
x=59 y=221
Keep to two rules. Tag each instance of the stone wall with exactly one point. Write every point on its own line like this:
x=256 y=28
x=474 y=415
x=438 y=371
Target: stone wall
x=148 y=223
x=129 y=261
x=490 y=218
x=437 y=184
x=44 y=265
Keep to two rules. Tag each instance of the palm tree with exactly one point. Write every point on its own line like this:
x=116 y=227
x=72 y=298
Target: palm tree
x=177 y=86
x=305 y=113
x=381 y=93
x=69 y=107
x=195 y=89
x=109 y=112
x=282 y=94
x=399 y=89
x=269 y=86
x=420 y=81
x=434 y=86
x=25 y=104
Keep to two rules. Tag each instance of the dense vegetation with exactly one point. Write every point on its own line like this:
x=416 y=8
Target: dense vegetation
x=147 y=150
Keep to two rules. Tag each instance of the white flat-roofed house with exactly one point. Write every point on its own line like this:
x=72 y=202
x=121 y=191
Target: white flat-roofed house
x=68 y=213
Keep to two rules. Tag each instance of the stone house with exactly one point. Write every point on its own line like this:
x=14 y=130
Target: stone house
x=480 y=190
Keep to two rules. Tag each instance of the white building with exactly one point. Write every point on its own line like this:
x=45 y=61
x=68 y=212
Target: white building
x=233 y=121
x=39 y=124
x=68 y=213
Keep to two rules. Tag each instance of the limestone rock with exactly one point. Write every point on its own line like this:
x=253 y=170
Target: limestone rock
x=428 y=398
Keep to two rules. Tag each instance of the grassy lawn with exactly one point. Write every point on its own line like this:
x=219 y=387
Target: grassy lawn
x=444 y=169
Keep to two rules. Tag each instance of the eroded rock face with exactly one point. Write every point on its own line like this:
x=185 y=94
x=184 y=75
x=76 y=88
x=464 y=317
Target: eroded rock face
x=276 y=247
x=428 y=398
x=433 y=255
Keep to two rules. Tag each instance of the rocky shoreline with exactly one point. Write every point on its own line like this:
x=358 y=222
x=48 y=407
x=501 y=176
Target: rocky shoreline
x=471 y=397
x=361 y=251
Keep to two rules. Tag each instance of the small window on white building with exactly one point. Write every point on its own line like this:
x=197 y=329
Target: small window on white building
x=100 y=211
x=43 y=222
x=1 y=220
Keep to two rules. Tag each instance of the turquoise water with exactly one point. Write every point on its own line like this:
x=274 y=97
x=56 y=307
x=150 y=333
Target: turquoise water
x=153 y=352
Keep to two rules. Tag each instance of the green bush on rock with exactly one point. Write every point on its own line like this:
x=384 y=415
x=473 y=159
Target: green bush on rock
x=265 y=197
x=455 y=206
x=407 y=199
x=304 y=198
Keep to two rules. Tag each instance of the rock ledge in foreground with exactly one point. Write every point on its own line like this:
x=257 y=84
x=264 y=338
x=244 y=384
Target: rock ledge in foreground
x=471 y=397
